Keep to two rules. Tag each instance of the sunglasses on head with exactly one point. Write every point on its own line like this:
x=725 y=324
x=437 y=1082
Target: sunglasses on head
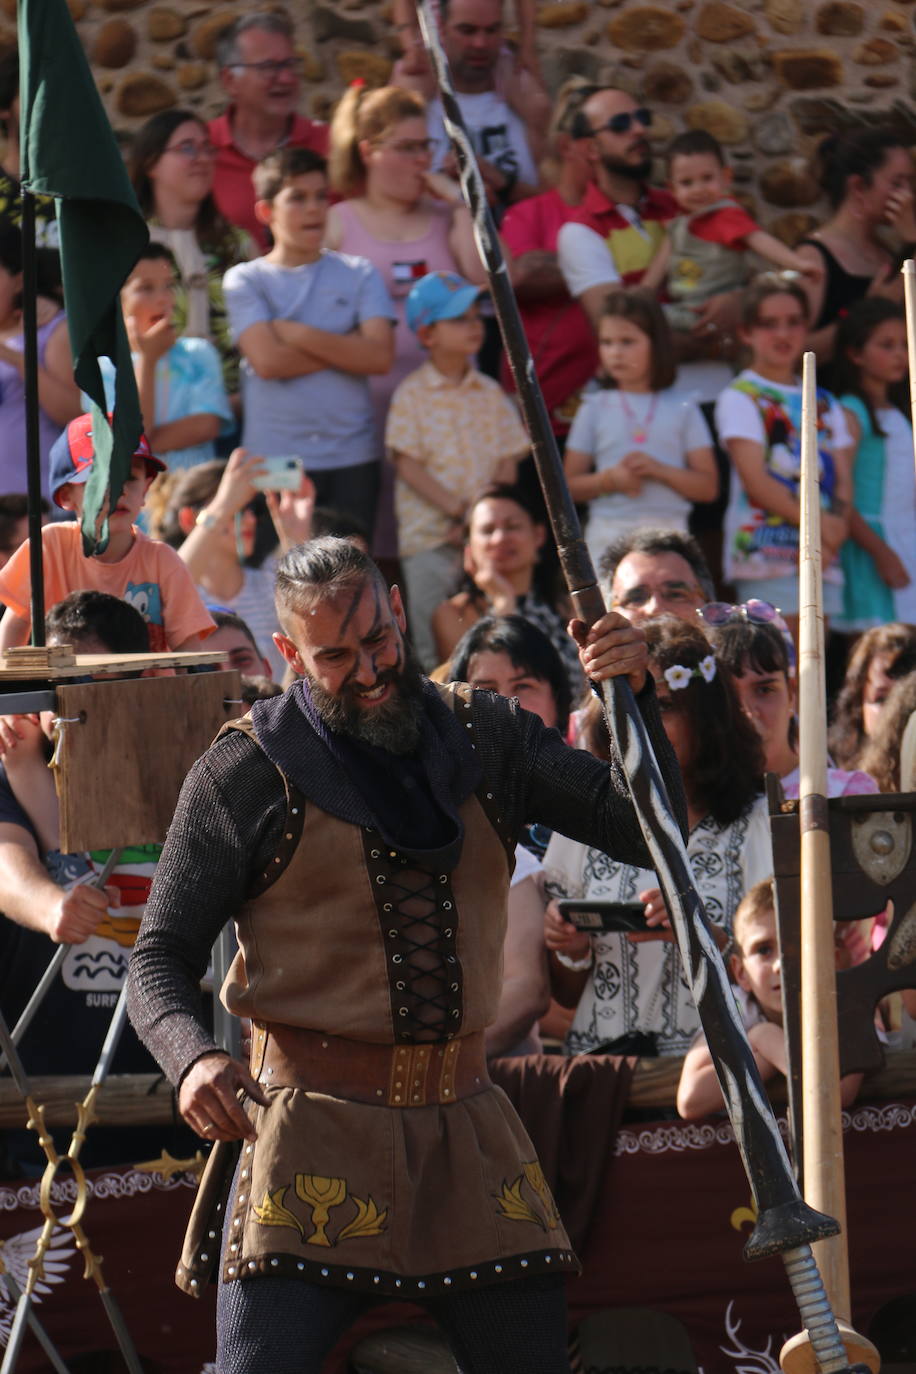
x=620 y=123
x=754 y=612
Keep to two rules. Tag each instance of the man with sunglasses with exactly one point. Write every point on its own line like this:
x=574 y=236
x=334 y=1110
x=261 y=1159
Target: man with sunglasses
x=259 y=71
x=620 y=224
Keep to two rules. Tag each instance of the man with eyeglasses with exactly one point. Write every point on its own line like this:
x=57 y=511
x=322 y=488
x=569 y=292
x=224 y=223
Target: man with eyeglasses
x=652 y=572
x=259 y=71
x=472 y=35
x=620 y=224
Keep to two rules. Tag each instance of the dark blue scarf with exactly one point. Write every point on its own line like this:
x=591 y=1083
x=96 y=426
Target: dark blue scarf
x=411 y=800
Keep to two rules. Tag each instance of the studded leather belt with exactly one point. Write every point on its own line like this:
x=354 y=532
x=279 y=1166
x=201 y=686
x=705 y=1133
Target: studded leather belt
x=382 y=1075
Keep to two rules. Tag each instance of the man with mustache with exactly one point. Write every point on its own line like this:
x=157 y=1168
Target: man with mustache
x=360 y=831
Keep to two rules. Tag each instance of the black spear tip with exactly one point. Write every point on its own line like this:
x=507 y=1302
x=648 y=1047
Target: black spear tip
x=787 y=1226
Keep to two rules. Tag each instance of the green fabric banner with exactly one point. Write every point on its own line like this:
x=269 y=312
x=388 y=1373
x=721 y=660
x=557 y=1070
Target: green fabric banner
x=69 y=152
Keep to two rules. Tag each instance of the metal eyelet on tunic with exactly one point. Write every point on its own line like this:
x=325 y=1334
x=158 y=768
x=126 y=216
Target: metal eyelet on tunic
x=446 y=906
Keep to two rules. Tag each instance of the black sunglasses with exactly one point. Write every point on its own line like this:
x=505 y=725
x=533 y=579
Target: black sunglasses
x=620 y=123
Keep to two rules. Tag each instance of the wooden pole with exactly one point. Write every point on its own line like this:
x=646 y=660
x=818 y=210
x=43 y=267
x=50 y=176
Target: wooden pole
x=821 y=1112
x=909 y=296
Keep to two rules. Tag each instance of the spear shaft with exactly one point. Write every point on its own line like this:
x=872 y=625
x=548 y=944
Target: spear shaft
x=785 y=1223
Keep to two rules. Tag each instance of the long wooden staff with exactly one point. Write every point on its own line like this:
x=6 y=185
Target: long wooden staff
x=821 y=1113
x=909 y=297
x=786 y=1224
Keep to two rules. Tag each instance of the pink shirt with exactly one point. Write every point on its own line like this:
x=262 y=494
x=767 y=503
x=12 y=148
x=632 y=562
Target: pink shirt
x=562 y=340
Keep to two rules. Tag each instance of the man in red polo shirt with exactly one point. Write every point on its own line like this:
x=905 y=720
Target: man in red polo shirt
x=620 y=223
x=259 y=71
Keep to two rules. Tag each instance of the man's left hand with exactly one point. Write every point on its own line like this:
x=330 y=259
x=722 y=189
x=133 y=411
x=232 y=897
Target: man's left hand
x=612 y=648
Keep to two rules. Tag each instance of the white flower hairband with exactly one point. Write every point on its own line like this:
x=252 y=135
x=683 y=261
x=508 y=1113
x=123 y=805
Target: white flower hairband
x=677 y=676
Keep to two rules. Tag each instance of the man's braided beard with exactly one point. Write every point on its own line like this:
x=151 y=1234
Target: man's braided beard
x=395 y=725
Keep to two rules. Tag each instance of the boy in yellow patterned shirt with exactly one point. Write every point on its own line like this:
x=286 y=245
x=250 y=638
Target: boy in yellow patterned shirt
x=451 y=431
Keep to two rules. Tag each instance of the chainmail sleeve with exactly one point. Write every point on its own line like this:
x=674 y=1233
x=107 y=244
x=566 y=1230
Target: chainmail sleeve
x=538 y=777
x=226 y=826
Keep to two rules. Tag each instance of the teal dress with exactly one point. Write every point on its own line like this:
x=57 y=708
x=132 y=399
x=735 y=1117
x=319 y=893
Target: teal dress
x=867 y=599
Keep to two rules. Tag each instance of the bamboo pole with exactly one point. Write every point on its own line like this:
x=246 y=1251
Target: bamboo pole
x=909 y=296
x=825 y=1184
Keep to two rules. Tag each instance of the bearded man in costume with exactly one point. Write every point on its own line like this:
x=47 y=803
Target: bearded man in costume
x=360 y=831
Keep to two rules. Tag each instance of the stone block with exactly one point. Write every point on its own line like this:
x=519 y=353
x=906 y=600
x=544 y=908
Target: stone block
x=193 y=75
x=806 y=69
x=368 y=66
x=329 y=23
x=163 y=62
x=761 y=99
x=876 y=52
x=115 y=6
x=785 y=16
x=840 y=19
x=115 y=44
x=164 y=25
x=667 y=83
x=789 y=182
x=313 y=68
x=562 y=14
x=141 y=95
x=881 y=80
x=725 y=122
x=561 y=63
x=721 y=23
x=792 y=227
x=774 y=135
x=207 y=31
x=892 y=21
x=732 y=66
x=646 y=28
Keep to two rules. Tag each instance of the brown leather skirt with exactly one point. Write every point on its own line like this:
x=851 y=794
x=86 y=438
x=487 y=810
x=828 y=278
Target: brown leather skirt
x=361 y=1191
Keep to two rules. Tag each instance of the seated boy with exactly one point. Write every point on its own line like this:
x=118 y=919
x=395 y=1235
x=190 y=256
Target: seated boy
x=143 y=571
x=451 y=431
x=756 y=968
x=312 y=327
x=705 y=251
x=46 y=895
x=180 y=381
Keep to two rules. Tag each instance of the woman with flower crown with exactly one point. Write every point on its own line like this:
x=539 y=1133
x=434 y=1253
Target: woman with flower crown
x=630 y=992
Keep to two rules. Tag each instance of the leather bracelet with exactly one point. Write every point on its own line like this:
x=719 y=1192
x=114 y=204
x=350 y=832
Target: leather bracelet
x=575 y=965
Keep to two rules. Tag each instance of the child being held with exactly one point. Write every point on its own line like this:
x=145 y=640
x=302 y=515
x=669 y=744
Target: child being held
x=143 y=571
x=756 y=968
x=451 y=432
x=705 y=251
x=180 y=381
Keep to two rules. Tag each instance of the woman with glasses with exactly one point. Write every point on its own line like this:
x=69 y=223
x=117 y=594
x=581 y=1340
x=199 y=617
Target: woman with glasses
x=405 y=219
x=630 y=994
x=171 y=167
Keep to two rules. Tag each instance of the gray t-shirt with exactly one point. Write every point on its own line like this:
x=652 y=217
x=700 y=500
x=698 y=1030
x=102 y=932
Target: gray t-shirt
x=326 y=418
x=497 y=134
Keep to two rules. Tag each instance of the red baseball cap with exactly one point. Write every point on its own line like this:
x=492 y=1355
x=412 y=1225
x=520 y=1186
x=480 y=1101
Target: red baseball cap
x=72 y=454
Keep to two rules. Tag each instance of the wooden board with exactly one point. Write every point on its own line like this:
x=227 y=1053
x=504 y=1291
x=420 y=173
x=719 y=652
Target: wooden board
x=126 y=749
x=22 y=665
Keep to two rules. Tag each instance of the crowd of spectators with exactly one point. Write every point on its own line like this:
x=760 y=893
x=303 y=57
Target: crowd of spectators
x=315 y=353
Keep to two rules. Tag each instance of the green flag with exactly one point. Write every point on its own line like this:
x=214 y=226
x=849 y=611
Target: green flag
x=69 y=152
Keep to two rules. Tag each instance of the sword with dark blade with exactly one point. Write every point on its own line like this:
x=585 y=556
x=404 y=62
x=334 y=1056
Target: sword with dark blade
x=786 y=1225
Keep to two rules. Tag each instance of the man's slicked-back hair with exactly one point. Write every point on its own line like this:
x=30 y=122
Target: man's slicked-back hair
x=320 y=568
x=647 y=539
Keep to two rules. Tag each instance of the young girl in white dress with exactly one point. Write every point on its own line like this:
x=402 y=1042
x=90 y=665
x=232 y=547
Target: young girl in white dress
x=879 y=557
x=638 y=452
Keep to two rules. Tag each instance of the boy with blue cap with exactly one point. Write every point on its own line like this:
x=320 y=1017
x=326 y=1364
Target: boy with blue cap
x=451 y=431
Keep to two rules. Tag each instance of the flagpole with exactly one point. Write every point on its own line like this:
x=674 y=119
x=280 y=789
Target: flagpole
x=32 y=436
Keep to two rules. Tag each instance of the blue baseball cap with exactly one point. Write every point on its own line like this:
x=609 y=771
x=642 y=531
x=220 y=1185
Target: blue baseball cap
x=439 y=296
x=72 y=454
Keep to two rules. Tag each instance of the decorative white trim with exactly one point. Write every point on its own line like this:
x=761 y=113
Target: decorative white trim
x=677 y=1137
x=102 y=1187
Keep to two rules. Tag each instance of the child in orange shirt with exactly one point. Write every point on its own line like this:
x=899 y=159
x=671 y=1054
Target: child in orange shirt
x=142 y=571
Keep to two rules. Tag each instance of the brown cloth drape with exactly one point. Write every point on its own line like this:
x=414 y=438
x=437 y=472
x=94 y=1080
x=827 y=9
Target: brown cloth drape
x=571 y=1108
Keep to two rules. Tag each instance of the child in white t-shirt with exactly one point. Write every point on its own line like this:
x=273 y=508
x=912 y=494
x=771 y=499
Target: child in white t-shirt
x=638 y=452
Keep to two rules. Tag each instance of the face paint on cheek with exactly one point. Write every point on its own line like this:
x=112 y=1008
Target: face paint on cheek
x=350 y=612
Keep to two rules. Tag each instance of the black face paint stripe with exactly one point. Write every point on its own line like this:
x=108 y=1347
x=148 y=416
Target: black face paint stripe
x=351 y=611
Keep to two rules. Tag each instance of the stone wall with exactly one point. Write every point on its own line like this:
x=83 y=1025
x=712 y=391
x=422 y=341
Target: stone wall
x=767 y=77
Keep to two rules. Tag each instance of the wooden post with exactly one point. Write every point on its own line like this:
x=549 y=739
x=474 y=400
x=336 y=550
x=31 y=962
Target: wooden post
x=825 y=1184
x=909 y=295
